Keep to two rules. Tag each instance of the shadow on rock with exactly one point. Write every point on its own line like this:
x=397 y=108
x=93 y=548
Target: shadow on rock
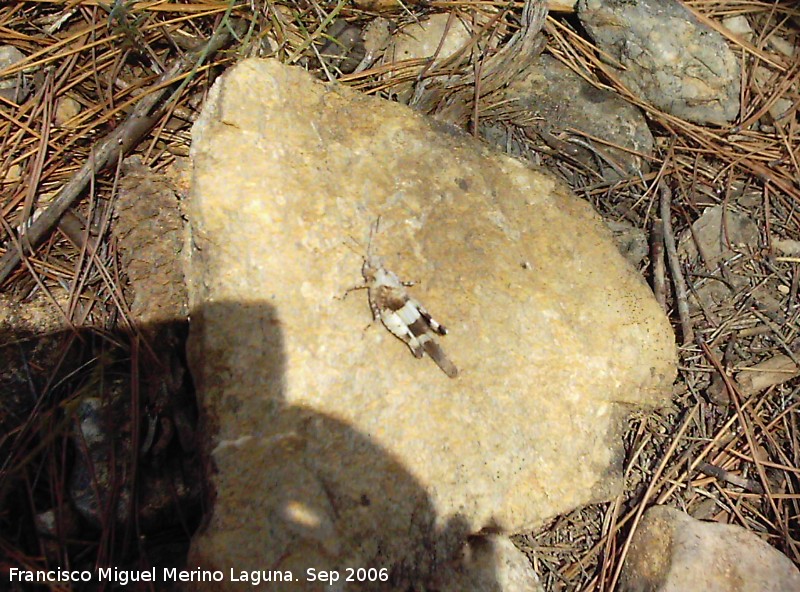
x=299 y=492
x=101 y=469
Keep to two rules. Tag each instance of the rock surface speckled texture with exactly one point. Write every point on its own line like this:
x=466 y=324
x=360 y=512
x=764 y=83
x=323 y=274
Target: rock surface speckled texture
x=333 y=445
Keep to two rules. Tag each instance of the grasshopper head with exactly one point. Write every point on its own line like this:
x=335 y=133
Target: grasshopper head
x=372 y=265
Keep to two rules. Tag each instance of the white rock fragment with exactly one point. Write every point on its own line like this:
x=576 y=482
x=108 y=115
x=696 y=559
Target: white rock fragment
x=768 y=80
x=783 y=46
x=439 y=37
x=738 y=25
x=787 y=246
x=772 y=371
x=422 y=39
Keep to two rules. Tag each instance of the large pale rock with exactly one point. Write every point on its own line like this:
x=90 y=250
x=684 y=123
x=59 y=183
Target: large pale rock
x=673 y=552
x=334 y=447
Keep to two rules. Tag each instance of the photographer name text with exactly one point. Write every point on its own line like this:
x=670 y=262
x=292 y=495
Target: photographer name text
x=171 y=574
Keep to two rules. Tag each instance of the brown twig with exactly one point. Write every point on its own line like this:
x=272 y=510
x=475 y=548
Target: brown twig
x=681 y=292
x=657 y=263
x=732 y=478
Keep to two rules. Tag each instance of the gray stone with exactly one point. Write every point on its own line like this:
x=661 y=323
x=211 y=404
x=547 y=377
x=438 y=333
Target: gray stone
x=669 y=58
x=561 y=104
x=12 y=87
x=334 y=447
x=766 y=81
x=719 y=232
x=673 y=552
x=102 y=455
x=102 y=441
x=32 y=347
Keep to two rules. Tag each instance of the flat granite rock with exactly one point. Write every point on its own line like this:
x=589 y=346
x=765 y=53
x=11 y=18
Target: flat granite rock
x=333 y=446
